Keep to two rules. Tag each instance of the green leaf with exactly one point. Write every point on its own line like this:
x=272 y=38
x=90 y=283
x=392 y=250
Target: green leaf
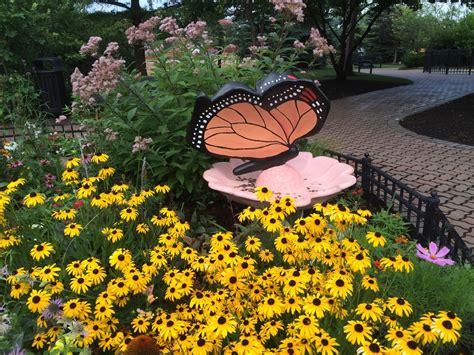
x=131 y=113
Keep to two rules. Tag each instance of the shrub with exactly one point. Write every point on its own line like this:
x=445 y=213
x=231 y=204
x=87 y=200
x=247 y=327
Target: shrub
x=412 y=59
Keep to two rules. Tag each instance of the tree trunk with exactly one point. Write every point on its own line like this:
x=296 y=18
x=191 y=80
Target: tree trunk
x=350 y=40
x=249 y=15
x=136 y=16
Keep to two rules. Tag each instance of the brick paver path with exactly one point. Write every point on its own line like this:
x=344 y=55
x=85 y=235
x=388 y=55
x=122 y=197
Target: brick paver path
x=369 y=123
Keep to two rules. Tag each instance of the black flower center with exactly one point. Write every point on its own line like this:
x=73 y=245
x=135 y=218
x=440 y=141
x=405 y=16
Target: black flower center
x=359 y=328
x=447 y=324
x=374 y=348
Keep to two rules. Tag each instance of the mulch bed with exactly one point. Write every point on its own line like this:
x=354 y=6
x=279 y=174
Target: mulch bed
x=335 y=89
x=453 y=121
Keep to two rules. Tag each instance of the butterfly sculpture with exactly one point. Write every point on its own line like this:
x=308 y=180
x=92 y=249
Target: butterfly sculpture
x=259 y=125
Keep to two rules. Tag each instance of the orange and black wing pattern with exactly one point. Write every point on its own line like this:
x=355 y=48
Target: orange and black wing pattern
x=239 y=122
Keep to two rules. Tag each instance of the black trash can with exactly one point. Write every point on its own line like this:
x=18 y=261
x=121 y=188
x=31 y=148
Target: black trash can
x=49 y=78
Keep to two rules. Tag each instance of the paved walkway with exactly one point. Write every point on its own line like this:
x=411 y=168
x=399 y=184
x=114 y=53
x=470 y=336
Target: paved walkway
x=369 y=123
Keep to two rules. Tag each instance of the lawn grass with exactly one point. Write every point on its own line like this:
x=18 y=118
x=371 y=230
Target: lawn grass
x=330 y=74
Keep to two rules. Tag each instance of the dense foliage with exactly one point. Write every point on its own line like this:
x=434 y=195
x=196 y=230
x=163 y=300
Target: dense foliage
x=91 y=262
x=142 y=120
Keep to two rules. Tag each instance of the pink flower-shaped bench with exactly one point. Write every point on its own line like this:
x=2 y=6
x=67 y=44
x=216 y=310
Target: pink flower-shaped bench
x=306 y=178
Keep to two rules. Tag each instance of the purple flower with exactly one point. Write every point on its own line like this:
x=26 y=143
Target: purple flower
x=16 y=164
x=44 y=162
x=434 y=255
x=17 y=350
x=54 y=309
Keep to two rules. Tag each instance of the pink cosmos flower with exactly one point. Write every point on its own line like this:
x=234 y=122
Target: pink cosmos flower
x=434 y=255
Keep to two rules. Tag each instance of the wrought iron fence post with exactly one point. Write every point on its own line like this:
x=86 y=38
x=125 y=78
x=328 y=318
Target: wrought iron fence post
x=447 y=63
x=431 y=222
x=365 y=176
x=470 y=61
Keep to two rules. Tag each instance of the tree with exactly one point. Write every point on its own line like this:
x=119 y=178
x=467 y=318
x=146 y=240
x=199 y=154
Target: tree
x=136 y=15
x=340 y=20
x=40 y=28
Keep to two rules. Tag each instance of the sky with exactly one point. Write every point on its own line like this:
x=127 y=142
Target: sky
x=109 y=8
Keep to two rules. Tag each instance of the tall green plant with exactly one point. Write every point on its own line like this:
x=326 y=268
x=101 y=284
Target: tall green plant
x=143 y=121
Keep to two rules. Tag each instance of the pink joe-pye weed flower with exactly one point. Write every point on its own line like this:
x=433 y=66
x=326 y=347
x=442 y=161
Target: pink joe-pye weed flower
x=91 y=47
x=295 y=7
x=144 y=32
x=434 y=255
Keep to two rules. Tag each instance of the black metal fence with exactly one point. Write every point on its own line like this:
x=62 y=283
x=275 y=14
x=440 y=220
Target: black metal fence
x=428 y=223
x=449 y=61
x=69 y=130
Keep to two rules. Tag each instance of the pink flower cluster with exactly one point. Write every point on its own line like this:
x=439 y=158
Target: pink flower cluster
x=103 y=76
x=293 y=6
x=169 y=25
x=319 y=43
x=110 y=134
x=196 y=29
x=141 y=144
x=144 y=32
x=91 y=47
x=299 y=46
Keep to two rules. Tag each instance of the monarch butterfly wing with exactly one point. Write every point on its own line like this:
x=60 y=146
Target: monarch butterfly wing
x=234 y=124
x=299 y=106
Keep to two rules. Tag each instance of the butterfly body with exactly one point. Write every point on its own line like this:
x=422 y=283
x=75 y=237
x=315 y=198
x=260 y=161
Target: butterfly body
x=260 y=125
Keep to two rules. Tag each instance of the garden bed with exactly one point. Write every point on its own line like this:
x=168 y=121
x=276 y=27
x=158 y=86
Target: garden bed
x=452 y=121
x=356 y=85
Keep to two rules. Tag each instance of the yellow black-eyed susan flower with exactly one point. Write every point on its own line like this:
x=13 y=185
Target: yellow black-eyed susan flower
x=162 y=188
x=263 y=193
x=80 y=284
x=446 y=329
x=248 y=214
x=120 y=259
x=140 y=324
x=113 y=234
x=270 y=307
x=61 y=196
x=423 y=332
x=222 y=325
x=399 y=306
x=142 y=228
x=376 y=239
x=41 y=251
x=339 y=287
x=397 y=334
x=106 y=172
x=129 y=214
x=72 y=162
x=266 y=255
x=369 y=312
x=72 y=230
x=69 y=175
x=19 y=289
x=99 y=158
x=38 y=301
x=33 y=199
x=39 y=340
x=252 y=244
x=372 y=347
x=370 y=283
x=357 y=332
x=408 y=347
x=86 y=190
x=403 y=264
x=326 y=344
